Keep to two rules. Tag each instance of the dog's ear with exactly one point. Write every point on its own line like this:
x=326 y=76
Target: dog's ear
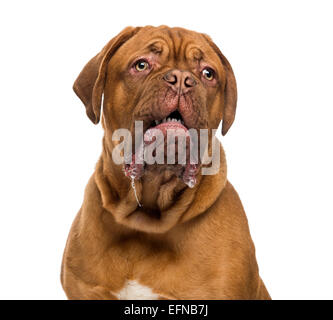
x=230 y=90
x=89 y=85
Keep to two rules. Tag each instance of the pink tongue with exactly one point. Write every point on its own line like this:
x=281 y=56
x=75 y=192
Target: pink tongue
x=135 y=170
x=170 y=125
x=176 y=127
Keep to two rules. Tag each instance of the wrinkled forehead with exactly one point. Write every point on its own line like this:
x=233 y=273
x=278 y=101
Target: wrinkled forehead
x=170 y=44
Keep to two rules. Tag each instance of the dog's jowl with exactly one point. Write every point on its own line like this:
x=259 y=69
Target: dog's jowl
x=158 y=224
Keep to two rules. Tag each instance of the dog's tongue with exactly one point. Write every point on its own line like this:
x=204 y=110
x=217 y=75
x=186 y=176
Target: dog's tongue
x=135 y=169
x=173 y=127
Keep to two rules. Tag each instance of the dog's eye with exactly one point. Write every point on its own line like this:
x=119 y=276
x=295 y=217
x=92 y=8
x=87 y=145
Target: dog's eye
x=208 y=73
x=141 y=65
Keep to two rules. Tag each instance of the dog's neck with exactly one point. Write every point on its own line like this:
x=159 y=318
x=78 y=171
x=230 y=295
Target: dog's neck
x=165 y=199
x=160 y=188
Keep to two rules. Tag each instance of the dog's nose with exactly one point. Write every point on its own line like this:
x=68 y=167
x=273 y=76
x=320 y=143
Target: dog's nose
x=180 y=80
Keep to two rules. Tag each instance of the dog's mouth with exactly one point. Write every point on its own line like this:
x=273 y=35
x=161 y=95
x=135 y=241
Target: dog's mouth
x=172 y=135
x=174 y=116
x=173 y=121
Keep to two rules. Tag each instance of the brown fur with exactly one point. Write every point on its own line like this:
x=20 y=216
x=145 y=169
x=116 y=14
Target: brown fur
x=183 y=243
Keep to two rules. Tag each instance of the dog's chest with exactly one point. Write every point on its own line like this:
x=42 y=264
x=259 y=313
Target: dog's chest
x=133 y=290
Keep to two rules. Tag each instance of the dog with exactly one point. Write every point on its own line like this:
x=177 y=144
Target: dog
x=156 y=231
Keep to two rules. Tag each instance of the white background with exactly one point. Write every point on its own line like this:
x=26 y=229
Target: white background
x=279 y=149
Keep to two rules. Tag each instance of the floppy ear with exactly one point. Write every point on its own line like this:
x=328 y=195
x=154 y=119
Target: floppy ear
x=89 y=85
x=230 y=90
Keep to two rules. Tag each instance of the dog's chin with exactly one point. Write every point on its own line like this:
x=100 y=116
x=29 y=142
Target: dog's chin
x=165 y=172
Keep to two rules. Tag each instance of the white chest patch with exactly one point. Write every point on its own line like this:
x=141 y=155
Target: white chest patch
x=133 y=290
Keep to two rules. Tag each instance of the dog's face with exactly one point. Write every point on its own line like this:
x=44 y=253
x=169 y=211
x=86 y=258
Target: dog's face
x=156 y=74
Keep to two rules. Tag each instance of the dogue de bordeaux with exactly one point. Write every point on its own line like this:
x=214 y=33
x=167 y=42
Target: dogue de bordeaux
x=162 y=238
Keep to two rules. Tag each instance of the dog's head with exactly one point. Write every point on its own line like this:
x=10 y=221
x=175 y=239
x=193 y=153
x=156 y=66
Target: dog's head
x=166 y=77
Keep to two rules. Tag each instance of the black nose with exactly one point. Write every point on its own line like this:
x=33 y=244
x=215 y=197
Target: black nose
x=180 y=80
